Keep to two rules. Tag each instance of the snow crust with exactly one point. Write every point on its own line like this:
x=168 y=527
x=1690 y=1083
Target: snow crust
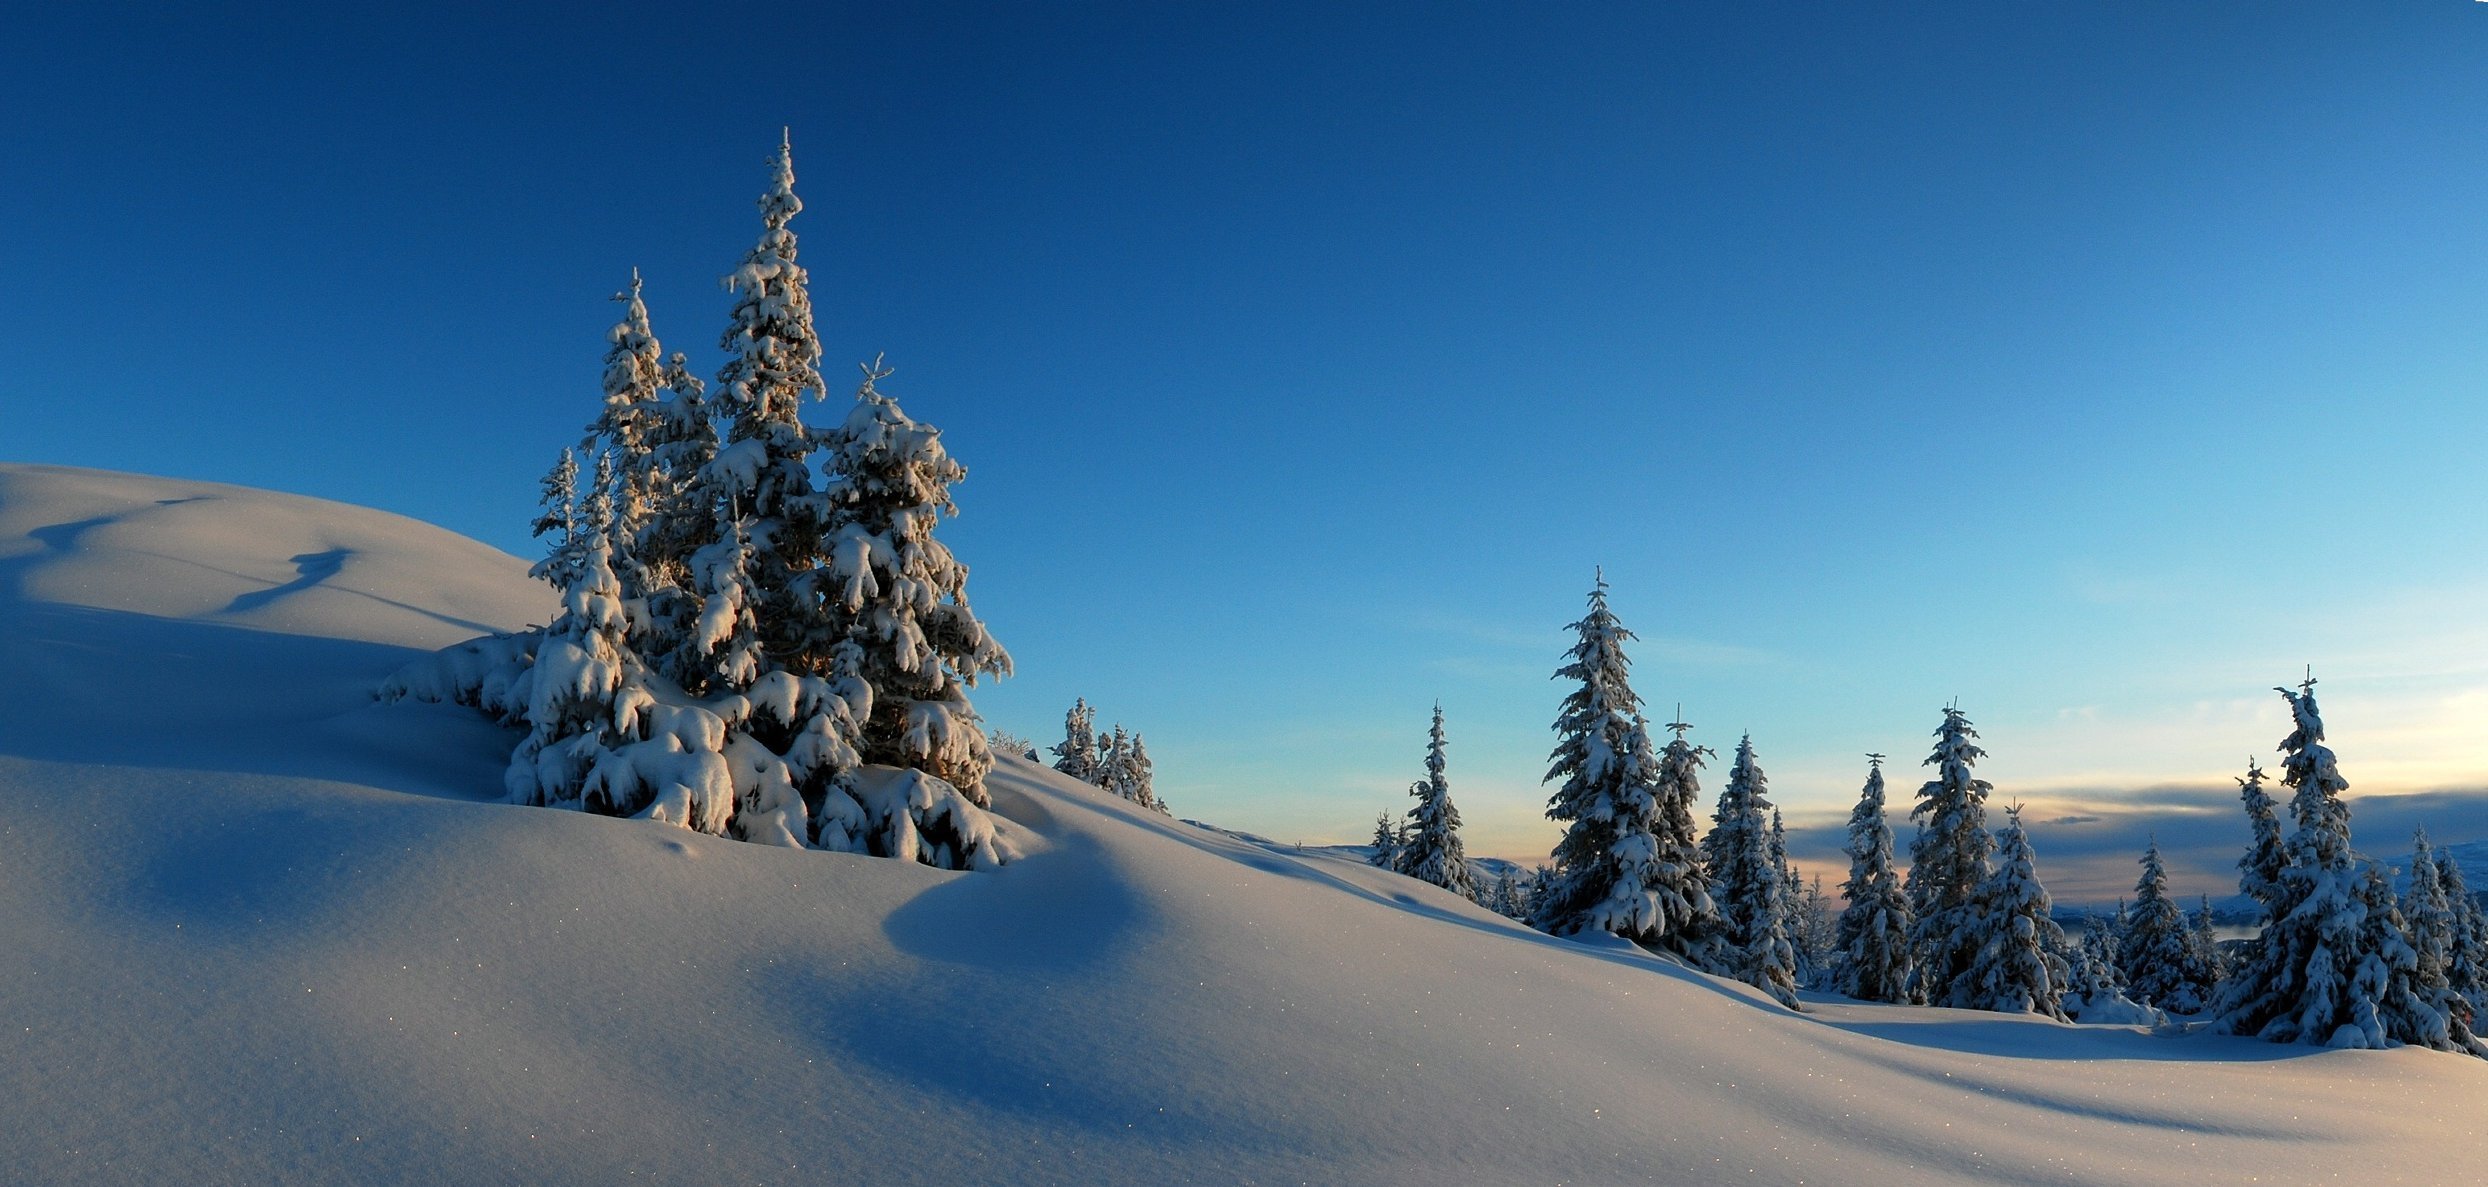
x=262 y=929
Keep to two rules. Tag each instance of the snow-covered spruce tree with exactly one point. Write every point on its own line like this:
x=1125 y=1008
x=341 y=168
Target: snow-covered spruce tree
x=1949 y=861
x=1114 y=763
x=558 y=525
x=2157 y=951
x=2207 y=952
x=655 y=424
x=899 y=598
x=1386 y=842
x=1144 y=778
x=2467 y=968
x=1506 y=898
x=1434 y=853
x=1788 y=902
x=2333 y=966
x=2018 y=969
x=1817 y=936
x=1076 y=755
x=1874 y=946
x=1623 y=865
x=1746 y=885
x=2432 y=931
x=2095 y=986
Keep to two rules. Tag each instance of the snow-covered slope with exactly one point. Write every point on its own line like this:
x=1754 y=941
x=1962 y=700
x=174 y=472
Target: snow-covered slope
x=254 y=929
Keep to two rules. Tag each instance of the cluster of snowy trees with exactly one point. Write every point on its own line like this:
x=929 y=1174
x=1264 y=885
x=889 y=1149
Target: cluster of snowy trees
x=1425 y=844
x=759 y=635
x=1631 y=862
x=2341 y=960
x=1117 y=762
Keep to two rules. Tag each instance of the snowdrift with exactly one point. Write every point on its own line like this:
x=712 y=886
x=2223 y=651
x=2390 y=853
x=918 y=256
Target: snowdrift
x=260 y=930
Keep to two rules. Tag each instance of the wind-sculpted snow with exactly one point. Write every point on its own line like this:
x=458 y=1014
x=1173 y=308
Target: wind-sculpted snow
x=261 y=930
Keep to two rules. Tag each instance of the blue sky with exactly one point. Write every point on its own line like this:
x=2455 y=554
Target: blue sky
x=2098 y=365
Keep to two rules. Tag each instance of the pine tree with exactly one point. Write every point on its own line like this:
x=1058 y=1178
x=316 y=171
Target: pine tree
x=2095 y=986
x=2157 y=950
x=2018 y=969
x=1077 y=754
x=1434 y=853
x=1623 y=865
x=1816 y=934
x=1874 y=944
x=1506 y=898
x=1745 y=882
x=2208 y=956
x=2466 y=969
x=1386 y=842
x=900 y=598
x=655 y=423
x=1949 y=862
x=566 y=549
x=2334 y=965
x=2433 y=931
x=1143 y=775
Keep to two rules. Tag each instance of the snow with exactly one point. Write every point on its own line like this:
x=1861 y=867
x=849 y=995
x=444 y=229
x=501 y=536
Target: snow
x=264 y=929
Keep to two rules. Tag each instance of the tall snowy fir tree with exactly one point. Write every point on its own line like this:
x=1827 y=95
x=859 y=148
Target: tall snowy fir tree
x=1949 y=862
x=899 y=598
x=2162 y=965
x=1434 y=853
x=1745 y=883
x=2253 y=975
x=2332 y=966
x=1076 y=755
x=2019 y=968
x=1622 y=866
x=1874 y=945
x=655 y=424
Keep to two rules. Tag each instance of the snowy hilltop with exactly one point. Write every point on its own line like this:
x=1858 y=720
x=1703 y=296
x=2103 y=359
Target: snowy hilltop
x=263 y=929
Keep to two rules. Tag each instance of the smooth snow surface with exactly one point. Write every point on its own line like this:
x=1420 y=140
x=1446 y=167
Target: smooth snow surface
x=260 y=930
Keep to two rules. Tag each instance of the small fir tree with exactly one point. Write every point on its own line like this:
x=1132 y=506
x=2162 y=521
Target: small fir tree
x=1745 y=883
x=2018 y=969
x=2207 y=952
x=1874 y=945
x=2158 y=953
x=1386 y=842
x=2467 y=967
x=1077 y=755
x=1506 y=898
x=1950 y=860
x=1434 y=853
x=557 y=525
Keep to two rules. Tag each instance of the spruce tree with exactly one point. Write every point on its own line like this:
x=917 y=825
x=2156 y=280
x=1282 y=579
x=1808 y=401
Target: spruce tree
x=1874 y=945
x=2467 y=967
x=1628 y=862
x=2157 y=950
x=1950 y=860
x=1506 y=898
x=1386 y=842
x=566 y=547
x=2433 y=930
x=1434 y=853
x=1745 y=883
x=655 y=423
x=2208 y=955
x=1076 y=755
x=898 y=596
x=1143 y=775
x=2018 y=968
x=2334 y=965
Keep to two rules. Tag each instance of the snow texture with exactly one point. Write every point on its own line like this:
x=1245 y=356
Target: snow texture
x=333 y=959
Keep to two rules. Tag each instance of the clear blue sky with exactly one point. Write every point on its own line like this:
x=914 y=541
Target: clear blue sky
x=2096 y=364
